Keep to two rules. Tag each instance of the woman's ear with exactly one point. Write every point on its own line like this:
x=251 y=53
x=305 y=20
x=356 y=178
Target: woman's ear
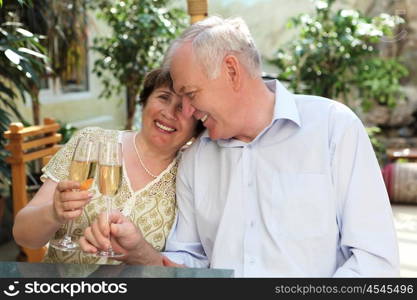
x=233 y=71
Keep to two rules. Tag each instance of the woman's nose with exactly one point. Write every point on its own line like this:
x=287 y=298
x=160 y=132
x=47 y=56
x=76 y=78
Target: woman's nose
x=169 y=112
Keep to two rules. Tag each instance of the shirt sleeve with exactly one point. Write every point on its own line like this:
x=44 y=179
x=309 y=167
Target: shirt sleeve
x=183 y=244
x=367 y=236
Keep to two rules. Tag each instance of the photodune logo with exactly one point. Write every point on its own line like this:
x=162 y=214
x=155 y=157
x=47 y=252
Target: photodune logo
x=402 y=34
x=75 y=288
x=70 y=289
x=11 y=290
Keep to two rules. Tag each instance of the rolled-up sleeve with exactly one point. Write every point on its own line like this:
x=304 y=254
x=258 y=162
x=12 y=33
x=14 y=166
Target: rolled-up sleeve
x=367 y=236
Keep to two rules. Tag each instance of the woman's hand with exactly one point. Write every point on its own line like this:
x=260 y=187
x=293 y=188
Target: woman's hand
x=69 y=201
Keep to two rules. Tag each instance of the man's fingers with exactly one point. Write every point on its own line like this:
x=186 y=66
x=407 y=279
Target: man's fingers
x=118 y=248
x=169 y=263
x=116 y=217
x=123 y=229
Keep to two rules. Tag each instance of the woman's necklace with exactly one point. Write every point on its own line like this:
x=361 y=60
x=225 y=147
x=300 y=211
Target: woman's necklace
x=140 y=159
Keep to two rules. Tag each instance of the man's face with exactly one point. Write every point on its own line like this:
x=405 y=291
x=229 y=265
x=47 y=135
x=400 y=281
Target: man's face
x=210 y=100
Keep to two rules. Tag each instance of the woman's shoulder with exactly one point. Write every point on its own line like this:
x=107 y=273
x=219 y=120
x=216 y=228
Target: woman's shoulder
x=98 y=133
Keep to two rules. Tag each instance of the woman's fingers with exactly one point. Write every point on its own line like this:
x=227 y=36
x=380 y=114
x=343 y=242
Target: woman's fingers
x=72 y=214
x=86 y=244
x=73 y=205
x=66 y=185
x=101 y=234
x=68 y=201
x=75 y=195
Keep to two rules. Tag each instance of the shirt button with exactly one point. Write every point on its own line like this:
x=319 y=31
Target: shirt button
x=252 y=223
x=251 y=260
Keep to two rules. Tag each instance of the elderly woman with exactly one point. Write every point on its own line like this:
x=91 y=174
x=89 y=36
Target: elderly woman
x=147 y=193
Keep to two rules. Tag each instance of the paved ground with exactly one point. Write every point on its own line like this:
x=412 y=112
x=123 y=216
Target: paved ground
x=405 y=218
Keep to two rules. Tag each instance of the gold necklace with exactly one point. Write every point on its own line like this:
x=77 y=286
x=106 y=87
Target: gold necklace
x=140 y=159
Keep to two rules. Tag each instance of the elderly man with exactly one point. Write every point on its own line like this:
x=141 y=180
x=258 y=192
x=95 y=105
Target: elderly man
x=279 y=184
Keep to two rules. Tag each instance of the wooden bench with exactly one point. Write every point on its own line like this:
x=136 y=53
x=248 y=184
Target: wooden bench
x=27 y=144
x=410 y=154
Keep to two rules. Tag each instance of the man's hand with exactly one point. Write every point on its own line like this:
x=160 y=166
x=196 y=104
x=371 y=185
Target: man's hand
x=169 y=263
x=125 y=238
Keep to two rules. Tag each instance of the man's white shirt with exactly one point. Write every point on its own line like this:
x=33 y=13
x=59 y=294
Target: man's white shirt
x=305 y=198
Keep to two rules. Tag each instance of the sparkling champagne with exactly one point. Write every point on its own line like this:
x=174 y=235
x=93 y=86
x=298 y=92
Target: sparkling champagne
x=83 y=172
x=109 y=179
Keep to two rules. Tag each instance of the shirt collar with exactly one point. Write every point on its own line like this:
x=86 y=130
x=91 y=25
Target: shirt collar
x=284 y=107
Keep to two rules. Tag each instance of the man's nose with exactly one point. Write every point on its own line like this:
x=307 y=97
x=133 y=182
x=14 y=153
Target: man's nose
x=187 y=108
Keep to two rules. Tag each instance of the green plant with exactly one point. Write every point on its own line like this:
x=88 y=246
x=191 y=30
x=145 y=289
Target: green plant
x=63 y=25
x=67 y=131
x=22 y=59
x=141 y=33
x=335 y=55
x=379 y=148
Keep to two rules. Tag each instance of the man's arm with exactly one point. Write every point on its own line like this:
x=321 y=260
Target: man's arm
x=126 y=238
x=183 y=244
x=368 y=239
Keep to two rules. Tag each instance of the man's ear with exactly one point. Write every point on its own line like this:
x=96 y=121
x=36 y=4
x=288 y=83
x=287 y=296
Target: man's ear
x=233 y=71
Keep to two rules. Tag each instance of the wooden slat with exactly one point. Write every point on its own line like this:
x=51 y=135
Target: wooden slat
x=410 y=153
x=44 y=136
x=32 y=155
x=41 y=142
x=19 y=187
x=13 y=160
x=40 y=153
x=33 y=130
x=35 y=143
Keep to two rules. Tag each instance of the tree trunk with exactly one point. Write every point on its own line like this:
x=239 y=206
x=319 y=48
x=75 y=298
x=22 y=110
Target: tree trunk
x=132 y=92
x=36 y=106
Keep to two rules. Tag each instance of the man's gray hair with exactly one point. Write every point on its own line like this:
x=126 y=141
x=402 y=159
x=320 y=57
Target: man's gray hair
x=213 y=38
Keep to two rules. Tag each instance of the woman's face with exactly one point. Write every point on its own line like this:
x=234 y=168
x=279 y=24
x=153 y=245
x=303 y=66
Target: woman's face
x=163 y=124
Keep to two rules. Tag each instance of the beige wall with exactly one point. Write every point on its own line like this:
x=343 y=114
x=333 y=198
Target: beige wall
x=266 y=20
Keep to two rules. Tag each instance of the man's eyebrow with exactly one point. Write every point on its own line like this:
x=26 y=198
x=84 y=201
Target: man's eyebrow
x=183 y=89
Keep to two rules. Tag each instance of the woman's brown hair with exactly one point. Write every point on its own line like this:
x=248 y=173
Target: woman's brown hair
x=156 y=79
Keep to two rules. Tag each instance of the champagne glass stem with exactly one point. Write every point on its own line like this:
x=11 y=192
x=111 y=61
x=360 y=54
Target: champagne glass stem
x=108 y=211
x=67 y=236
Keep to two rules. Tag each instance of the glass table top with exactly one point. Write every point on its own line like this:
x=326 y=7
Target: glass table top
x=39 y=270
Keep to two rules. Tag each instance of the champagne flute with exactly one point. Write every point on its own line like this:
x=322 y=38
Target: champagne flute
x=109 y=181
x=83 y=170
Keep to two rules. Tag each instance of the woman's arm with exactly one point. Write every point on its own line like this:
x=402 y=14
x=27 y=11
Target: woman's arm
x=53 y=205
